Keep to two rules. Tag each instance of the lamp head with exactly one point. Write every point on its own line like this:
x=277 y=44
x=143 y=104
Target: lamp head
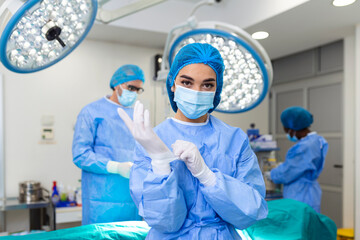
x=42 y=32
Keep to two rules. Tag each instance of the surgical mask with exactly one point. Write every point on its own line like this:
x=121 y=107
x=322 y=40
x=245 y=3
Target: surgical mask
x=193 y=104
x=292 y=138
x=127 y=97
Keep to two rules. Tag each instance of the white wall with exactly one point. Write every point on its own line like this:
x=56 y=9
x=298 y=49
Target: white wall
x=351 y=198
x=357 y=131
x=349 y=133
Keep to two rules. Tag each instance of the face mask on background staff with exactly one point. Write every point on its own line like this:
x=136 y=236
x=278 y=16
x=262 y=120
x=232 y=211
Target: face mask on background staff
x=127 y=97
x=292 y=138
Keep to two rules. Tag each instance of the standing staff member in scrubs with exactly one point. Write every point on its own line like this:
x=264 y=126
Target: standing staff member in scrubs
x=210 y=182
x=304 y=161
x=103 y=148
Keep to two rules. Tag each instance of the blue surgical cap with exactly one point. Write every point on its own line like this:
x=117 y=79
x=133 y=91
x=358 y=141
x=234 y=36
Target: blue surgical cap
x=296 y=118
x=196 y=53
x=127 y=73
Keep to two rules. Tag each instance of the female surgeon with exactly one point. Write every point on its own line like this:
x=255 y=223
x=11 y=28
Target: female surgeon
x=210 y=183
x=304 y=161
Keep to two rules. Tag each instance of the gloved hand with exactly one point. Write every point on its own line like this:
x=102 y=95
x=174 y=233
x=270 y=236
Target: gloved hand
x=189 y=153
x=122 y=168
x=267 y=175
x=142 y=131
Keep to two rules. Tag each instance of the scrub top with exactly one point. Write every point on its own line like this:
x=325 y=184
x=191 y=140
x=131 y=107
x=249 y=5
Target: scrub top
x=101 y=136
x=299 y=173
x=177 y=206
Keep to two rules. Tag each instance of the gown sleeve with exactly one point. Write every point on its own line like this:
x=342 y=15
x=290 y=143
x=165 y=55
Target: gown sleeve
x=83 y=145
x=297 y=162
x=158 y=197
x=239 y=199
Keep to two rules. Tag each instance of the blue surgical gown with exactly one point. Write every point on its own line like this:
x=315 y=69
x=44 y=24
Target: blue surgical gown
x=177 y=206
x=101 y=136
x=300 y=170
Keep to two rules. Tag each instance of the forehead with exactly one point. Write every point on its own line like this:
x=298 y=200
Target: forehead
x=197 y=70
x=135 y=83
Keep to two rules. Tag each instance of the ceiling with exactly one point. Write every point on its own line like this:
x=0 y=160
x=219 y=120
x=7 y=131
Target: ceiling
x=309 y=25
x=293 y=25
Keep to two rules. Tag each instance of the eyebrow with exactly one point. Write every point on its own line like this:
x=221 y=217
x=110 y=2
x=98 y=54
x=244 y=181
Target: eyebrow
x=209 y=80
x=187 y=77
x=190 y=78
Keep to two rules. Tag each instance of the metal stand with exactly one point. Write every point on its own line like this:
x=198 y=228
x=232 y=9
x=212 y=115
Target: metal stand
x=41 y=212
x=263 y=156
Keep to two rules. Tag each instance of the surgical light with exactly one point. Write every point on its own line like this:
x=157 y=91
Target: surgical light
x=248 y=71
x=39 y=33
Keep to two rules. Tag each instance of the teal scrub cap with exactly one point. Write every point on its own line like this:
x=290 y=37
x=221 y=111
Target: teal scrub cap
x=296 y=118
x=126 y=73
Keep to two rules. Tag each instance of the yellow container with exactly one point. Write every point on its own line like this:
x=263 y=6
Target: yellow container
x=345 y=234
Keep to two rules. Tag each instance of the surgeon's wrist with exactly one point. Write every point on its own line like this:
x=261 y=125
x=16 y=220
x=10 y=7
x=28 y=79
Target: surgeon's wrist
x=112 y=167
x=161 y=168
x=161 y=162
x=124 y=169
x=163 y=157
x=206 y=177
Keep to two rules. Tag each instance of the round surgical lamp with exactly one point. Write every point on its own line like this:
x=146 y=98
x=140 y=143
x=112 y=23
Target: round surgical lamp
x=248 y=70
x=39 y=33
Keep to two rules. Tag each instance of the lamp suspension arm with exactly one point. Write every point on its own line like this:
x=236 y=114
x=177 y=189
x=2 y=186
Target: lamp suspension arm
x=102 y=2
x=202 y=3
x=11 y=5
x=4 y=17
x=7 y=9
x=191 y=22
x=106 y=16
x=4 y=6
x=164 y=68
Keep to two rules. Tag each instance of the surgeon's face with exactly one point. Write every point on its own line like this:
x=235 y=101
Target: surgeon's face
x=198 y=77
x=286 y=130
x=289 y=131
x=133 y=86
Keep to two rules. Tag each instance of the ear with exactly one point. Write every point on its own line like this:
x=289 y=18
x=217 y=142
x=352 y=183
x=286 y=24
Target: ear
x=118 y=89
x=292 y=133
x=173 y=88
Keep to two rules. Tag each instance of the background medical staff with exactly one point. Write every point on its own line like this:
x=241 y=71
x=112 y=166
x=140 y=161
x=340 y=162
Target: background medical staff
x=304 y=161
x=103 y=148
x=214 y=183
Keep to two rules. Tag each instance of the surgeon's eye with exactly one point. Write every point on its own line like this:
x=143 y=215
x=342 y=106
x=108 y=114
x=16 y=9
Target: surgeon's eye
x=208 y=86
x=132 y=88
x=186 y=83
